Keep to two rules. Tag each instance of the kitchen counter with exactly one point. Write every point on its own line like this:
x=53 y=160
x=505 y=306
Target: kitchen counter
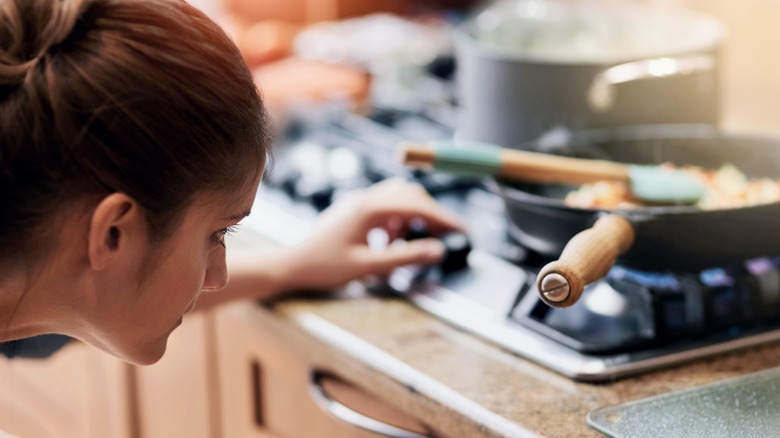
x=465 y=387
x=459 y=384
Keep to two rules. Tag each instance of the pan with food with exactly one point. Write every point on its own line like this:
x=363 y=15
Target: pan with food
x=588 y=241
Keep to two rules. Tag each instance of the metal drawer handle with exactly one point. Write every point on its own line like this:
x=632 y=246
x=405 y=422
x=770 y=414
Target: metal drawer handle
x=352 y=417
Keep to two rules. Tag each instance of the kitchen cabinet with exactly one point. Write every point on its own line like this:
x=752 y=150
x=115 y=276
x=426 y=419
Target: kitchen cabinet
x=222 y=375
x=267 y=388
x=77 y=392
x=82 y=392
x=176 y=395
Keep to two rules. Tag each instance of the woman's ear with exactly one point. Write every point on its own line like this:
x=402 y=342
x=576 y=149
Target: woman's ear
x=115 y=221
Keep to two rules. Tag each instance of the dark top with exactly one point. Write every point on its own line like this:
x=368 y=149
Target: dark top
x=37 y=347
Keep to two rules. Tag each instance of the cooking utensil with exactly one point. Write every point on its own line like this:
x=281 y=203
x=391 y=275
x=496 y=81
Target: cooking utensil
x=655 y=239
x=512 y=95
x=648 y=183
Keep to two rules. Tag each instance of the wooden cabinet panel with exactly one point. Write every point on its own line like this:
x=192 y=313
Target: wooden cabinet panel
x=175 y=395
x=266 y=390
x=77 y=392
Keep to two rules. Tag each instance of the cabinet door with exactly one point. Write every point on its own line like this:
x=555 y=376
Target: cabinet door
x=175 y=395
x=267 y=387
x=77 y=392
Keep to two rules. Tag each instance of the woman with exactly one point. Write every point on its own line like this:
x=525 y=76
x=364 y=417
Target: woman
x=132 y=140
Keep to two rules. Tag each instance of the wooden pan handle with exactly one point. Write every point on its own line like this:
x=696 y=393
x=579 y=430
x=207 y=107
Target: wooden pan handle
x=537 y=167
x=510 y=164
x=587 y=257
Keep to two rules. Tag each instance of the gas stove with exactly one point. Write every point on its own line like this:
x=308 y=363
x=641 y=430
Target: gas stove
x=627 y=323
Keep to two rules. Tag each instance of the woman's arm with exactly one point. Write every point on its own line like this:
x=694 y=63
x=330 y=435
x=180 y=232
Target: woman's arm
x=337 y=251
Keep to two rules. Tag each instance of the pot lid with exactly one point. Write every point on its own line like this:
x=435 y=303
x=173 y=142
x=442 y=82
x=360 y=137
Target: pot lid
x=590 y=31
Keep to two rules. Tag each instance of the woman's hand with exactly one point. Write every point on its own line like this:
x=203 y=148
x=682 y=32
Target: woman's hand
x=338 y=252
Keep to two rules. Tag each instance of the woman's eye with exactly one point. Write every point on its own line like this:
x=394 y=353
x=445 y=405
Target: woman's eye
x=219 y=236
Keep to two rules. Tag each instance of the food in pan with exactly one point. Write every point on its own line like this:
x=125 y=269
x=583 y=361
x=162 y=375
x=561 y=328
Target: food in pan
x=726 y=187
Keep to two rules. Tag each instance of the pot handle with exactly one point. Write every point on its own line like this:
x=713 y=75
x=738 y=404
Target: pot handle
x=601 y=95
x=588 y=256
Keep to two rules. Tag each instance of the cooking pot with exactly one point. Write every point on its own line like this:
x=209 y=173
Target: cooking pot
x=657 y=239
x=512 y=92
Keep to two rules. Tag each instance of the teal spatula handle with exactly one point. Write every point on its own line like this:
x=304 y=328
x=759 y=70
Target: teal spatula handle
x=468 y=159
x=479 y=159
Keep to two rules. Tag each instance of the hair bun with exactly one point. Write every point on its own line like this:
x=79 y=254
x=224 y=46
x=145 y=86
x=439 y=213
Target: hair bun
x=11 y=74
x=25 y=37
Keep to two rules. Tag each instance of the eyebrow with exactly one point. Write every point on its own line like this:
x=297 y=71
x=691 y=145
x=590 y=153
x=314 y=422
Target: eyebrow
x=237 y=217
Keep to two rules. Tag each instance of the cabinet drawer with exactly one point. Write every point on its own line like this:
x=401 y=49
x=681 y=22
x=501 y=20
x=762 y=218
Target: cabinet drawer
x=269 y=389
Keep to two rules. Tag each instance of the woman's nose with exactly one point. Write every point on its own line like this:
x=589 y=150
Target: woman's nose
x=216 y=272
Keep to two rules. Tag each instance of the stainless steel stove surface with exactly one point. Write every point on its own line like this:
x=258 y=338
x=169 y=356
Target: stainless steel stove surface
x=628 y=323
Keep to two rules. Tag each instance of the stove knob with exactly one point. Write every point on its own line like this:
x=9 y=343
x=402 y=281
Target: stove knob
x=457 y=247
x=416 y=229
x=322 y=198
x=317 y=191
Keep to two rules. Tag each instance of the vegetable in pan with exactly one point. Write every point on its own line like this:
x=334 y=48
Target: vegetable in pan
x=727 y=187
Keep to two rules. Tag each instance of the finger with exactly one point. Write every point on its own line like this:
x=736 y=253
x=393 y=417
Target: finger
x=433 y=216
x=397 y=227
x=423 y=251
x=388 y=201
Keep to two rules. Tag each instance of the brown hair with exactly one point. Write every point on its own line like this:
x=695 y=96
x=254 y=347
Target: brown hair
x=145 y=97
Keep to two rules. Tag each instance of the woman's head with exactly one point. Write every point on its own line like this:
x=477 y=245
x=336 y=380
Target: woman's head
x=145 y=97
x=144 y=106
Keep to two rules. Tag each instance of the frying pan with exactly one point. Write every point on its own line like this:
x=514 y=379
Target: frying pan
x=657 y=238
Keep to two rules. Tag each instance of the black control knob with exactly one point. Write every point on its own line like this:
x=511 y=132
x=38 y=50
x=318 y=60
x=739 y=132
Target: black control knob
x=416 y=229
x=316 y=191
x=457 y=248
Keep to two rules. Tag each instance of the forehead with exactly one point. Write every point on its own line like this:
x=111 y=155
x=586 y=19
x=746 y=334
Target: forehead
x=223 y=204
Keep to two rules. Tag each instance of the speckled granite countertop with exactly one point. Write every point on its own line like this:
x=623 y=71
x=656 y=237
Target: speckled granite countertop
x=461 y=385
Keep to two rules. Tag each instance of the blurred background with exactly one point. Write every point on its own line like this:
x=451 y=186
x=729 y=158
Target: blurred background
x=750 y=84
x=267 y=32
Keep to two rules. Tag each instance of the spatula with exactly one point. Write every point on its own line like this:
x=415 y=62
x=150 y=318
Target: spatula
x=650 y=183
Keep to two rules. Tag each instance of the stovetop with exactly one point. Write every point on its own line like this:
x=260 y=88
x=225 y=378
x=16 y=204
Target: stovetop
x=628 y=323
